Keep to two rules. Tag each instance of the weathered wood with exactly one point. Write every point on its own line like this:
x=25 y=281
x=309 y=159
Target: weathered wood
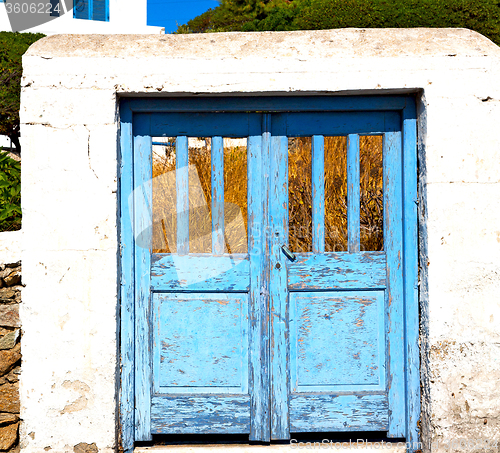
x=278 y=295
x=337 y=341
x=224 y=414
x=327 y=413
x=410 y=260
x=258 y=170
x=127 y=311
x=331 y=295
x=353 y=196
x=205 y=124
x=393 y=245
x=142 y=197
x=182 y=190
x=342 y=270
x=200 y=273
x=269 y=104
x=200 y=343
x=318 y=193
x=217 y=195
x=307 y=124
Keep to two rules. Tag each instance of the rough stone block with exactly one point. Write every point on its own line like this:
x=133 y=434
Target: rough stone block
x=6 y=418
x=8 y=435
x=8 y=359
x=9 y=316
x=12 y=376
x=83 y=447
x=9 y=398
x=14 y=278
x=9 y=340
x=10 y=295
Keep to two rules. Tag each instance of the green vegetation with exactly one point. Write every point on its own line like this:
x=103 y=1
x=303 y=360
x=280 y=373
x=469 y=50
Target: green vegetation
x=482 y=16
x=12 y=47
x=10 y=193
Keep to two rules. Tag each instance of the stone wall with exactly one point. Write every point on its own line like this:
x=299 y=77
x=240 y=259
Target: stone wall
x=10 y=354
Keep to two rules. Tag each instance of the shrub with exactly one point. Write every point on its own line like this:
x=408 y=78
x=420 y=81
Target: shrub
x=482 y=16
x=10 y=193
x=12 y=47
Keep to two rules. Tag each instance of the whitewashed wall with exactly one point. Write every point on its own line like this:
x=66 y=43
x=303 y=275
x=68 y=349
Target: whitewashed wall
x=69 y=135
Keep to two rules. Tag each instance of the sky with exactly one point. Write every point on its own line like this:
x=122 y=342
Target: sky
x=170 y=13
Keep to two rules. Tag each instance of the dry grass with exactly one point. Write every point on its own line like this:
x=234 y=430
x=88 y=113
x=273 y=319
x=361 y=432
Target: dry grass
x=300 y=197
x=200 y=200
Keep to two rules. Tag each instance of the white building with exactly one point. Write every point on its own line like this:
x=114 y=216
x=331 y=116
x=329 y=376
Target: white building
x=88 y=16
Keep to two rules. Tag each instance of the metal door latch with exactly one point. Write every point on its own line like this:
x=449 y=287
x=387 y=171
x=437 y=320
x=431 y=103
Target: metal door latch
x=288 y=253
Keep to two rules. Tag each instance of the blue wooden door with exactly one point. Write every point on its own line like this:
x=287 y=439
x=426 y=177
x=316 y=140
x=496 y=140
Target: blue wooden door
x=239 y=326
x=335 y=315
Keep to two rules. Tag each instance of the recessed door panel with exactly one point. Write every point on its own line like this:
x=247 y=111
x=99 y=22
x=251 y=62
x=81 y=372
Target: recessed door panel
x=337 y=341
x=201 y=343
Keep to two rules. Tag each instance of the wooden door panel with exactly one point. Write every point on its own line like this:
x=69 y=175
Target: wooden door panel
x=200 y=363
x=337 y=412
x=337 y=341
x=195 y=414
x=200 y=343
x=200 y=273
x=337 y=270
x=334 y=123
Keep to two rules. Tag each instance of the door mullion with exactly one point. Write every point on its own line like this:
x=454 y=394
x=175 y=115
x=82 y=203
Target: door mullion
x=278 y=222
x=258 y=192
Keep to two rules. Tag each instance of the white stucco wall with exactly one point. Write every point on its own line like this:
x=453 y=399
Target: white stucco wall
x=10 y=246
x=69 y=121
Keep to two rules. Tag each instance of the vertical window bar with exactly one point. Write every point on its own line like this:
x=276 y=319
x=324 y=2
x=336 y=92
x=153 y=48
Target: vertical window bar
x=217 y=195
x=318 y=198
x=353 y=203
x=182 y=189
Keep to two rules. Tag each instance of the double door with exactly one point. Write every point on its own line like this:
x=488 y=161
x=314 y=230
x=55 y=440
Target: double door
x=269 y=290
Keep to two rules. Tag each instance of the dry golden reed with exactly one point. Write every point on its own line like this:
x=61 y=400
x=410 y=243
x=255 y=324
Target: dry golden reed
x=299 y=192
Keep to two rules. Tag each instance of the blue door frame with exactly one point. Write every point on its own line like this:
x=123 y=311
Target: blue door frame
x=135 y=147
